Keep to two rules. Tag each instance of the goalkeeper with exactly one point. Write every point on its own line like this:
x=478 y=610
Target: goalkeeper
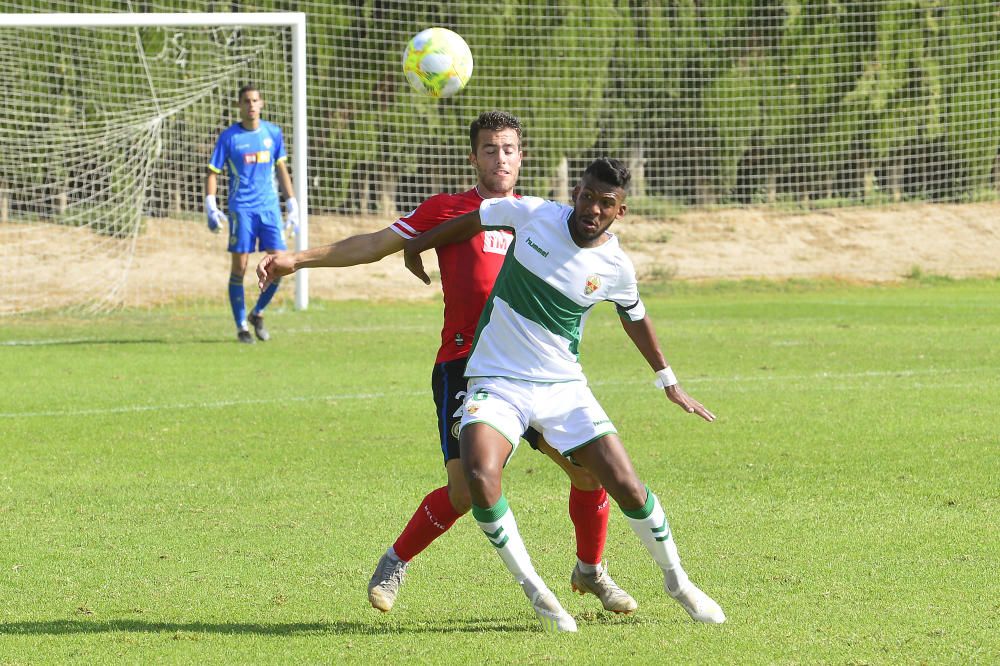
x=253 y=152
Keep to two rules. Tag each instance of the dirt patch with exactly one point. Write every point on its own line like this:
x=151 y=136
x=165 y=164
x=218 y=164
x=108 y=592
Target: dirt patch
x=55 y=266
x=859 y=244
x=855 y=244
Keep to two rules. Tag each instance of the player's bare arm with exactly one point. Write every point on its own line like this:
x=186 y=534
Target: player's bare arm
x=455 y=230
x=284 y=180
x=351 y=251
x=211 y=183
x=644 y=338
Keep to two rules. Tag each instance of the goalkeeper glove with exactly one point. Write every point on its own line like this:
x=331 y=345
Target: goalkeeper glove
x=216 y=218
x=292 y=216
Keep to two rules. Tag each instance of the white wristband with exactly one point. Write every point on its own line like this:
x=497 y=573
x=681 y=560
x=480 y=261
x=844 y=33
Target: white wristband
x=210 y=204
x=665 y=378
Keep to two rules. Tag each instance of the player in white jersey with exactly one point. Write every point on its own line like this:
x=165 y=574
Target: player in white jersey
x=524 y=370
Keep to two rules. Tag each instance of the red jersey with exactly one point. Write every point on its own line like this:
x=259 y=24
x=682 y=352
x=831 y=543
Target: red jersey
x=468 y=269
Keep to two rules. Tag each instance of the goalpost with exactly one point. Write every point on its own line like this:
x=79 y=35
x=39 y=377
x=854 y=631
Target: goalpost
x=109 y=126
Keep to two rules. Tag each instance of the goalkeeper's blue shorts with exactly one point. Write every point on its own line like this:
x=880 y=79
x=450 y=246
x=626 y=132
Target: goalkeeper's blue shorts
x=250 y=230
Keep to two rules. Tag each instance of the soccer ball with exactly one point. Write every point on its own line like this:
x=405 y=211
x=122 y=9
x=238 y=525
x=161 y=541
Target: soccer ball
x=437 y=62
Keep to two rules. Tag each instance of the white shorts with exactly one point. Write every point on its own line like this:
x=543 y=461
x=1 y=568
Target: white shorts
x=566 y=413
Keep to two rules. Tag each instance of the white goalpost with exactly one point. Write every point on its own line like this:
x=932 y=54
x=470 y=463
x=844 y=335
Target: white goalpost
x=109 y=123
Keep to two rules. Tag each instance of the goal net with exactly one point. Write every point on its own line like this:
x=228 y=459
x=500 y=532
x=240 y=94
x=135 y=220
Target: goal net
x=772 y=104
x=107 y=133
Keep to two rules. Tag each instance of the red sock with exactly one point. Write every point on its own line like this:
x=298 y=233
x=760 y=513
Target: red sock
x=589 y=509
x=431 y=519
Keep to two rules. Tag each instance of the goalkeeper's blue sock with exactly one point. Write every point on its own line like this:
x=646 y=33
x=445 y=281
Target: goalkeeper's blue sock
x=236 y=300
x=266 y=296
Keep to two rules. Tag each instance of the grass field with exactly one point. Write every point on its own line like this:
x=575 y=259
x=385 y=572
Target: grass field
x=167 y=495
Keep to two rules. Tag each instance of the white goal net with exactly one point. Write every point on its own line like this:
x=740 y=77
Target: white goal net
x=772 y=104
x=107 y=133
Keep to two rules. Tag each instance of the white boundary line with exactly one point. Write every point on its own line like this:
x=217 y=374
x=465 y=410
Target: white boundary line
x=42 y=343
x=307 y=330
x=728 y=382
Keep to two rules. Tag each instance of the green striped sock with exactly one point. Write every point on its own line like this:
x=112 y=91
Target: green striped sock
x=651 y=526
x=498 y=524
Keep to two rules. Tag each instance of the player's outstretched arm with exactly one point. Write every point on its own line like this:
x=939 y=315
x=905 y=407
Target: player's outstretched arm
x=454 y=230
x=644 y=338
x=351 y=251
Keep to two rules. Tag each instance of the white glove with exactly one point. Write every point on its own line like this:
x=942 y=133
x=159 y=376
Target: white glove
x=216 y=218
x=292 y=216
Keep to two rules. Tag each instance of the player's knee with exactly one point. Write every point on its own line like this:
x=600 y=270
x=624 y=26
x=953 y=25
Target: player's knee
x=460 y=498
x=484 y=485
x=582 y=479
x=634 y=495
x=629 y=493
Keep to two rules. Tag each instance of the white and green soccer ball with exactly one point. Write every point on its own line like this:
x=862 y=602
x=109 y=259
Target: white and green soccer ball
x=437 y=62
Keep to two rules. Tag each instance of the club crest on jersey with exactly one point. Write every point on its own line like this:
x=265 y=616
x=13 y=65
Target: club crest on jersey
x=268 y=143
x=593 y=284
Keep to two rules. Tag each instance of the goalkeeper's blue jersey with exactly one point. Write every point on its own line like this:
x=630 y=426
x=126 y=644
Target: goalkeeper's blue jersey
x=249 y=156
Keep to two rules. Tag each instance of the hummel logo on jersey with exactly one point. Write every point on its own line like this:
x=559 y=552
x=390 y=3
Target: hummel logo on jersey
x=535 y=247
x=593 y=284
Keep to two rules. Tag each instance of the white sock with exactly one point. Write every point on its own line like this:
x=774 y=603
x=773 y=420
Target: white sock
x=650 y=524
x=498 y=523
x=588 y=568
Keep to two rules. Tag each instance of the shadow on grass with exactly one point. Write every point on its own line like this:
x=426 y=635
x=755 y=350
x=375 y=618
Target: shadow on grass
x=180 y=629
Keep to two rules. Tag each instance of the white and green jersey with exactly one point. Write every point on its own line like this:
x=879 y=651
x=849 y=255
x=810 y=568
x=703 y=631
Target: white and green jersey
x=533 y=321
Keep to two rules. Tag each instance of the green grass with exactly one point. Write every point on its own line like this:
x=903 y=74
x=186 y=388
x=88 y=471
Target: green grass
x=167 y=495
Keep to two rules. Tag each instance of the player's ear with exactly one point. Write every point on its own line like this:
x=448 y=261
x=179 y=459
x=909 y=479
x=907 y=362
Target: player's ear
x=576 y=192
x=621 y=211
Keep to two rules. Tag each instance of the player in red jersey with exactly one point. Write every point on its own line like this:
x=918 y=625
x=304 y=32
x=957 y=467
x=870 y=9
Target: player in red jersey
x=468 y=271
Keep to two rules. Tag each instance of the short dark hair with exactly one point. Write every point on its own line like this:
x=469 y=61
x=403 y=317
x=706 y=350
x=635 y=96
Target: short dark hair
x=247 y=88
x=611 y=171
x=493 y=121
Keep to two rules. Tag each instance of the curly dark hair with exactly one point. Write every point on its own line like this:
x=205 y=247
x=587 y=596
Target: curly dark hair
x=493 y=121
x=611 y=171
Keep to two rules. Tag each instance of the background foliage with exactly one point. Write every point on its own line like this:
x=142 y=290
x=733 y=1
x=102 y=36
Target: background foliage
x=734 y=102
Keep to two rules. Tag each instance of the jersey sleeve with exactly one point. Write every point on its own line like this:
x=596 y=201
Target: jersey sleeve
x=625 y=292
x=426 y=216
x=279 y=144
x=218 y=160
x=508 y=212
